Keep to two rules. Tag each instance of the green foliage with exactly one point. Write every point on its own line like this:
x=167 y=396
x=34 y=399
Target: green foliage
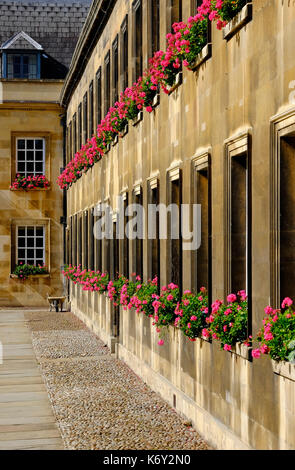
x=23 y=271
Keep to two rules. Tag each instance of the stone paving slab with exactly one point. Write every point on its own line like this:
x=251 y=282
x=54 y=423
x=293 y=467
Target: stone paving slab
x=99 y=402
x=26 y=416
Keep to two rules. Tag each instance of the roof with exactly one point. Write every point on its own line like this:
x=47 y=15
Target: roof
x=21 y=41
x=55 y=25
x=97 y=18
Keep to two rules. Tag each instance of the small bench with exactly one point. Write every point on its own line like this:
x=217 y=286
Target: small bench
x=56 y=302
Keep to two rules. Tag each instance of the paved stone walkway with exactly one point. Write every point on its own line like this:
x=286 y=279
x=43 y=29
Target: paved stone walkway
x=26 y=416
x=99 y=403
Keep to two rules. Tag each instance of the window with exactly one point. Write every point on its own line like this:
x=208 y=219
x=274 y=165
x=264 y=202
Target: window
x=75 y=133
x=138 y=59
x=175 y=11
x=98 y=96
x=69 y=143
x=201 y=262
x=22 y=66
x=91 y=105
x=287 y=219
x=155 y=25
x=125 y=241
x=85 y=118
x=238 y=217
x=115 y=71
x=91 y=240
x=30 y=244
x=79 y=239
x=80 y=126
x=30 y=156
x=124 y=54
x=107 y=84
x=85 y=240
x=98 y=249
x=138 y=242
x=175 y=228
x=74 y=241
x=154 y=244
x=115 y=253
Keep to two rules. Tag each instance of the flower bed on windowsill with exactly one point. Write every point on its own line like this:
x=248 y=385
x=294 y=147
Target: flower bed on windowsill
x=277 y=336
x=30 y=183
x=237 y=23
x=183 y=47
x=227 y=323
x=23 y=271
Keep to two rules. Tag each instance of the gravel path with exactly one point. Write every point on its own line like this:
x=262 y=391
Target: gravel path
x=98 y=401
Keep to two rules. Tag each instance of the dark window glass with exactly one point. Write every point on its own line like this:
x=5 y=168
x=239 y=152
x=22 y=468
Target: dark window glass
x=287 y=218
x=85 y=118
x=98 y=97
x=115 y=71
x=80 y=126
x=107 y=84
x=124 y=54
x=239 y=223
x=91 y=106
x=137 y=5
x=176 y=244
x=155 y=25
x=202 y=256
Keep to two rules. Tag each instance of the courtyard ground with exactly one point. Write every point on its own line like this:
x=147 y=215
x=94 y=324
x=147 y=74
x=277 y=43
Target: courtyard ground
x=97 y=401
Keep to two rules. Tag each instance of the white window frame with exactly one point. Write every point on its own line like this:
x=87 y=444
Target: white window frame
x=37 y=261
x=25 y=172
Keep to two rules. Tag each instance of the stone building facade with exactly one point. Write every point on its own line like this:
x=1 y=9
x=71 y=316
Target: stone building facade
x=223 y=137
x=37 y=40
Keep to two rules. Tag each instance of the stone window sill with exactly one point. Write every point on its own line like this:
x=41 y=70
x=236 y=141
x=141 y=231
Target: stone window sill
x=30 y=189
x=178 y=82
x=241 y=350
x=237 y=23
x=39 y=276
x=156 y=101
x=204 y=55
x=138 y=118
x=284 y=369
x=115 y=141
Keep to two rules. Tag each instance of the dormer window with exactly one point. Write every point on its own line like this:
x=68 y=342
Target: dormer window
x=22 y=66
x=21 y=57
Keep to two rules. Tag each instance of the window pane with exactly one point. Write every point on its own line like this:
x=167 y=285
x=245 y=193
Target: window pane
x=21 y=242
x=39 y=144
x=39 y=254
x=21 y=253
x=39 y=242
x=39 y=231
x=21 y=144
x=21 y=155
x=30 y=231
x=39 y=156
x=30 y=144
x=30 y=242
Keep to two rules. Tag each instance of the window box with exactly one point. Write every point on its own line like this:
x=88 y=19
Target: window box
x=138 y=118
x=205 y=54
x=30 y=189
x=284 y=369
x=31 y=276
x=233 y=26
